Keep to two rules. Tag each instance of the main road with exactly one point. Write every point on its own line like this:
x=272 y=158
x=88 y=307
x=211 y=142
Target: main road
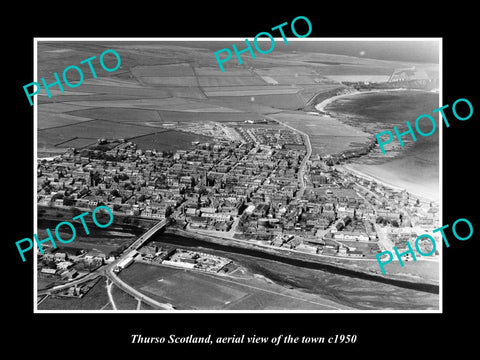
x=112 y=275
x=108 y=270
x=303 y=164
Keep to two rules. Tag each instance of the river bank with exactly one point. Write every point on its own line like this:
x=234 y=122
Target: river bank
x=311 y=278
x=349 y=285
x=410 y=278
x=417 y=275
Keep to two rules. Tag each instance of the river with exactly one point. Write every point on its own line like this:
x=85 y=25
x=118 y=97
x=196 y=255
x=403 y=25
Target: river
x=344 y=286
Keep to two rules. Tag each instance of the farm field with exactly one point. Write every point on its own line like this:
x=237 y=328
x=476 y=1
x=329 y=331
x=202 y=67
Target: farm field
x=285 y=71
x=114 y=82
x=355 y=78
x=182 y=116
x=356 y=70
x=166 y=82
x=244 y=106
x=169 y=80
x=317 y=125
x=327 y=135
x=79 y=99
x=118 y=114
x=176 y=104
x=295 y=79
x=213 y=292
x=96 y=129
x=172 y=70
x=59 y=107
x=277 y=101
x=229 y=80
x=170 y=140
x=95 y=299
x=77 y=143
x=333 y=144
x=138 y=91
x=49 y=120
x=260 y=90
x=215 y=71
x=122 y=300
x=66 y=92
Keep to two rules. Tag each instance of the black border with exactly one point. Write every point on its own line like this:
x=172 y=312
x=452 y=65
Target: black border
x=377 y=333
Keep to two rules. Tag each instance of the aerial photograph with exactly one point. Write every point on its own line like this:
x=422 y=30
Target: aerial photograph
x=259 y=188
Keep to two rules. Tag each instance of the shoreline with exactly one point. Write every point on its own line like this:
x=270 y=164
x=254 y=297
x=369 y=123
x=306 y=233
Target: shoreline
x=383 y=180
x=323 y=104
x=348 y=168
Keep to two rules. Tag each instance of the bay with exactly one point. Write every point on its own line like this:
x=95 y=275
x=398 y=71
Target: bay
x=414 y=167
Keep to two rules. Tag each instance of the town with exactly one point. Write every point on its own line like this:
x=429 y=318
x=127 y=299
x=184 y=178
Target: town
x=257 y=184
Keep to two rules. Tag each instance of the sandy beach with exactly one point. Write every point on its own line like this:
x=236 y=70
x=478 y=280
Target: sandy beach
x=426 y=191
x=321 y=106
x=412 y=169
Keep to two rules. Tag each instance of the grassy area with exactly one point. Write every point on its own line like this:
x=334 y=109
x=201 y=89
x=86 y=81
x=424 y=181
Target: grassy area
x=195 y=290
x=123 y=301
x=163 y=70
x=118 y=114
x=169 y=140
x=95 y=299
x=327 y=135
x=169 y=80
x=182 y=116
x=98 y=129
x=277 y=101
x=229 y=80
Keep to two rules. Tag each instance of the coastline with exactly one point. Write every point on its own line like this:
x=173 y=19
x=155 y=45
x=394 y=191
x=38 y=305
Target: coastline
x=413 y=189
x=381 y=173
x=322 y=105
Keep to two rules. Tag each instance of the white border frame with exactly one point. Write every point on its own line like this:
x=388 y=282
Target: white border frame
x=147 y=39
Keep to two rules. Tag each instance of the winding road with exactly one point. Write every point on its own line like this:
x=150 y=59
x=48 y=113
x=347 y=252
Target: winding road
x=303 y=164
x=115 y=279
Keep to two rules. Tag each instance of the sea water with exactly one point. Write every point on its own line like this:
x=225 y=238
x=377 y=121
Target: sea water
x=414 y=167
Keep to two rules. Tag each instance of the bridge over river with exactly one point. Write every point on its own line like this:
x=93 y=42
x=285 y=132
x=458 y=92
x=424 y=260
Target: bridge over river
x=137 y=244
